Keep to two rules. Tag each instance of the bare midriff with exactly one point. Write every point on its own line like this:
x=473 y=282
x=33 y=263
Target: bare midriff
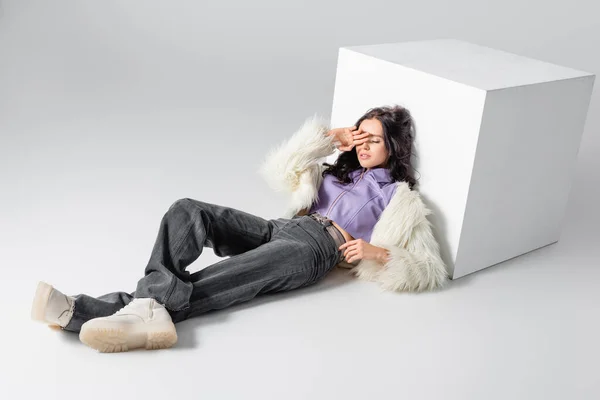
x=347 y=236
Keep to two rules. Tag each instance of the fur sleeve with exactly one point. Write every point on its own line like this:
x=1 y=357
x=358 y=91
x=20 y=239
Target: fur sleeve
x=295 y=160
x=418 y=266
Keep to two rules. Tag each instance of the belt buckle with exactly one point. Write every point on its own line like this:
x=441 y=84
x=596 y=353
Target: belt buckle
x=318 y=217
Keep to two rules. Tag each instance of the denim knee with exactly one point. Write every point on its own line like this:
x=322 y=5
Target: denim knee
x=180 y=202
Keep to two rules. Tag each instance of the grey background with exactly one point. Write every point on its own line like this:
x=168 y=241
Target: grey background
x=112 y=110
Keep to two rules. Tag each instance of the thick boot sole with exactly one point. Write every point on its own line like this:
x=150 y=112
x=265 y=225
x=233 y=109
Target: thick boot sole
x=114 y=339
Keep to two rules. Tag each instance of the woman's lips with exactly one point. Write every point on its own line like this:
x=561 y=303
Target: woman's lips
x=364 y=156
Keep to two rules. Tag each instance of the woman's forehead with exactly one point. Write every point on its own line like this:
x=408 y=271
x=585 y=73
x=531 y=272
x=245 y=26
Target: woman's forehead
x=372 y=127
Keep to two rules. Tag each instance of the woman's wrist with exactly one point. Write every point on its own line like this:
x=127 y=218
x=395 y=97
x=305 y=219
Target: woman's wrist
x=383 y=256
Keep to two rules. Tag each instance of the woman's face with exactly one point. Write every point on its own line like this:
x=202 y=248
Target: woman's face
x=374 y=147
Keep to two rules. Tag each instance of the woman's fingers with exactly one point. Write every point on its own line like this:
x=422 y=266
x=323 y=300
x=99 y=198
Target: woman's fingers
x=347 y=136
x=361 y=137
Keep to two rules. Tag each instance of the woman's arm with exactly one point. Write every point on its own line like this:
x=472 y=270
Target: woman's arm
x=412 y=262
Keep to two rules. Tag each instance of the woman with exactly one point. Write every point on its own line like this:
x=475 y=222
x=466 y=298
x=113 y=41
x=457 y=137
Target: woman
x=359 y=213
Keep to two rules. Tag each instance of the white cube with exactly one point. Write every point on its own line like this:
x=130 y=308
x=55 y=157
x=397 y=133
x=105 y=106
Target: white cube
x=497 y=136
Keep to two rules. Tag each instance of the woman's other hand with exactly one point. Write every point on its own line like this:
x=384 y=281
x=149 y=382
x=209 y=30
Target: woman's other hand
x=347 y=138
x=359 y=249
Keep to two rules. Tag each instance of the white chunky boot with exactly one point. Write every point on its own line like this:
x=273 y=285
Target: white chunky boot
x=52 y=307
x=142 y=323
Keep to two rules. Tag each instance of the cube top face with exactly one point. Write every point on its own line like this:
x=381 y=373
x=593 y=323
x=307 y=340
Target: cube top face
x=470 y=64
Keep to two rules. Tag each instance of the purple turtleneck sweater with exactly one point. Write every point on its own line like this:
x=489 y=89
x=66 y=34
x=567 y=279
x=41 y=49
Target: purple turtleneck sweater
x=356 y=207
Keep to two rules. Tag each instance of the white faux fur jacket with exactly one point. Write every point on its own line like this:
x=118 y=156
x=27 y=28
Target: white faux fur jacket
x=295 y=167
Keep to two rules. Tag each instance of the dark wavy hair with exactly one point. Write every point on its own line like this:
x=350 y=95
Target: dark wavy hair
x=398 y=135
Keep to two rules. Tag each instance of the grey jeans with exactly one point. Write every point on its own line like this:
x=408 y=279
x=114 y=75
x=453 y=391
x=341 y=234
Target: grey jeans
x=265 y=256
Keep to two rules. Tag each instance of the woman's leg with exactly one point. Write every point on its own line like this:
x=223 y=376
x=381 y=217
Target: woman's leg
x=186 y=228
x=89 y=307
x=299 y=254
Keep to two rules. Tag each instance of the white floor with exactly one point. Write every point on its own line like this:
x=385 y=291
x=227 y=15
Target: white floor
x=527 y=328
